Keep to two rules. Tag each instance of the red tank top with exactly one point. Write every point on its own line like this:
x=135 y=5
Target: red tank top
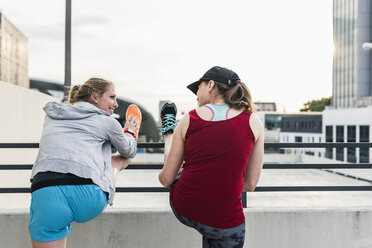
x=216 y=157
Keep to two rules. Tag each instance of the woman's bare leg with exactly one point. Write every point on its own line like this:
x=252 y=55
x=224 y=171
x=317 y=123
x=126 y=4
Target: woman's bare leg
x=119 y=163
x=61 y=243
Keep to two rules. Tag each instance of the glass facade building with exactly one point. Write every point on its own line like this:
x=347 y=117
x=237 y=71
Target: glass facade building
x=349 y=117
x=351 y=64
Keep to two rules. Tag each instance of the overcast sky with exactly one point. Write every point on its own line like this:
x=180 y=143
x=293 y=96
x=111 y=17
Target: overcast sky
x=152 y=49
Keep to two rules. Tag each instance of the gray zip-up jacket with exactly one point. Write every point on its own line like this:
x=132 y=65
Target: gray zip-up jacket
x=77 y=139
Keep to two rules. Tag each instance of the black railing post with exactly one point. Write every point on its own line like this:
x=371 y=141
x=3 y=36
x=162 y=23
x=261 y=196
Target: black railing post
x=244 y=199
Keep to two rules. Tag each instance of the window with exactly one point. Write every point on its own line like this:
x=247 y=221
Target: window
x=273 y=122
x=351 y=133
x=364 y=137
x=329 y=133
x=340 y=138
x=298 y=139
x=351 y=158
x=351 y=137
x=364 y=134
x=329 y=138
x=339 y=133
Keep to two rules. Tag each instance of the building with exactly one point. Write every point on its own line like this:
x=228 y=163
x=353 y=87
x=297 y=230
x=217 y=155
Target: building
x=272 y=124
x=302 y=128
x=349 y=118
x=275 y=123
x=265 y=106
x=351 y=64
x=13 y=54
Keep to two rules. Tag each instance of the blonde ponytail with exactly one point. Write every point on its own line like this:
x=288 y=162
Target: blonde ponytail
x=82 y=93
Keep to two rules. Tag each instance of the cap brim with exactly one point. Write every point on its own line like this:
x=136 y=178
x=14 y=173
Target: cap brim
x=194 y=86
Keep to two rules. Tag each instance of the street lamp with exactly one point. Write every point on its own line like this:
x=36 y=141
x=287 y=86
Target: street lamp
x=367 y=46
x=67 y=83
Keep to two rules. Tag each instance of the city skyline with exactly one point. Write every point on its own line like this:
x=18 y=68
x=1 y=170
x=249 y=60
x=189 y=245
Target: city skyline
x=151 y=51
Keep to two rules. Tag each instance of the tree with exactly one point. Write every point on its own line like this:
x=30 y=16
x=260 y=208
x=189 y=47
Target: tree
x=316 y=105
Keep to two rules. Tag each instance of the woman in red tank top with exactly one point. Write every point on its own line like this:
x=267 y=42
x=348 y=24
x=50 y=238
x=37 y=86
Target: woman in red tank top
x=219 y=158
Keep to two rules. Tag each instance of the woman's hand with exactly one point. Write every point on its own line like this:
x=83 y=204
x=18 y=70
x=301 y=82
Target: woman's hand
x=132 y=125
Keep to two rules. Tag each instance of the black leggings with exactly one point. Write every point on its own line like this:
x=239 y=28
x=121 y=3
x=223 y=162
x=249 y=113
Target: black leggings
x=216 y=237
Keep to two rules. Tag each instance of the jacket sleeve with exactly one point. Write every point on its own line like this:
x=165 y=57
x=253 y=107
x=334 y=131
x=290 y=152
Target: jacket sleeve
x=124 y=143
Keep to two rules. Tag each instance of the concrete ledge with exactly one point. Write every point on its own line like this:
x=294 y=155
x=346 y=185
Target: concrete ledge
x=266 y=228
x=309 y=228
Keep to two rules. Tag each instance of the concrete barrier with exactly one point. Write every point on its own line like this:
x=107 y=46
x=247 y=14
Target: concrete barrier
x=22 y=114
x=266 y=228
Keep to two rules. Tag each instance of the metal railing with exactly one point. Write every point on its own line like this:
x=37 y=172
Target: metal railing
x=152 y=166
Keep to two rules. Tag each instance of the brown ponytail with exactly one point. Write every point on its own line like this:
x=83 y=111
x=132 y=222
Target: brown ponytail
x=82 y=93
x=237 y=97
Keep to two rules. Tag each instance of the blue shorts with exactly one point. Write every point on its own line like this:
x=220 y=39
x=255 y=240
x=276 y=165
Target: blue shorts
x=54 y=208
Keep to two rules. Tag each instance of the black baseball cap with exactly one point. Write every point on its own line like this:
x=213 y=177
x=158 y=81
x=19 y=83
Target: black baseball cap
x=218 y=74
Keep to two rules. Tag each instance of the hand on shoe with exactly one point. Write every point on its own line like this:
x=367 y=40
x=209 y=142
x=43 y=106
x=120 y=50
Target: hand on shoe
x=132 y=125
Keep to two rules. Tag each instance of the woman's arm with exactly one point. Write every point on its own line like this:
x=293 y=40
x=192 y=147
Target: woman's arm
x=125 y=143
x=253 y=171
x=173 y=153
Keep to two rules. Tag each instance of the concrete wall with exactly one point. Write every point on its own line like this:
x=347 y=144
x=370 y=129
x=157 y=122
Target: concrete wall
x=21 y=113
x=280 y=228
x=21 y=120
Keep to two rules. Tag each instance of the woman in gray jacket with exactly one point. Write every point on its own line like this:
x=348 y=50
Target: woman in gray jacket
x=73 y=178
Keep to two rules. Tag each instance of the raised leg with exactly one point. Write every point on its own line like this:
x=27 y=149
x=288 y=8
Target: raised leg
x=168 y=119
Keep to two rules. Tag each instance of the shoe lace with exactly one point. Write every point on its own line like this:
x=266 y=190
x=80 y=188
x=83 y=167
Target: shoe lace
x=168 y=122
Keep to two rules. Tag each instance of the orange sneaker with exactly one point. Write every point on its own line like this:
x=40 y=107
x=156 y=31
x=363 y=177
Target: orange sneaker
x=134 y=113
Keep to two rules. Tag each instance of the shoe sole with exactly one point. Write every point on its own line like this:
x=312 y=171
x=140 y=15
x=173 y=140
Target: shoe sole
x=134 y=111
x=165 y=106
